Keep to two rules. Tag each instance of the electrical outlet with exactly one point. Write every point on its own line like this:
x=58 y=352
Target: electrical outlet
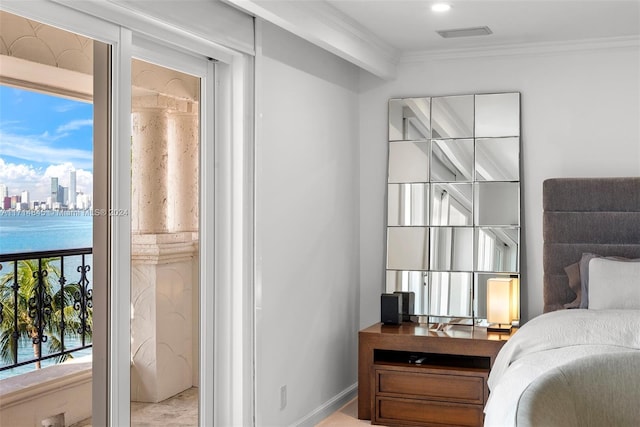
x=283 y=397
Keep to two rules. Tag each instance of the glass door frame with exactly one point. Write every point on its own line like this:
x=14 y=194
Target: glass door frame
x=150 y=51
x=227 y=251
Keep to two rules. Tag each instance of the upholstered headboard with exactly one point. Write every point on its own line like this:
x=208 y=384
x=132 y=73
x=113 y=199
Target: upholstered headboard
x=596 y=215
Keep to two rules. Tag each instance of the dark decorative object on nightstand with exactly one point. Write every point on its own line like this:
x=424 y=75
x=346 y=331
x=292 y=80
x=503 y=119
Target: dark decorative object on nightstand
x=391 y=309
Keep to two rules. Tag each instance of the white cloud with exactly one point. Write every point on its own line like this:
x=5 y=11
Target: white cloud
x=63 y=108
x=74 y=125
x=12 y=172
x=18 y=177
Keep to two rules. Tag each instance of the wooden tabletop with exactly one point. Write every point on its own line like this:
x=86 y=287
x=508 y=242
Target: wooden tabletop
x=445 y=331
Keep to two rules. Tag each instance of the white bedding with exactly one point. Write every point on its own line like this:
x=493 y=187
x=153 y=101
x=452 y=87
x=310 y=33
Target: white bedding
x=551 y=340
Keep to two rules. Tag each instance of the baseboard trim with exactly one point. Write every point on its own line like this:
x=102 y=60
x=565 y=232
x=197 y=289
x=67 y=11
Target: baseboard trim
x=328 y=408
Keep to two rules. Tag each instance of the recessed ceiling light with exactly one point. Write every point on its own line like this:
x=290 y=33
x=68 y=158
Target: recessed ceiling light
x=441 y=7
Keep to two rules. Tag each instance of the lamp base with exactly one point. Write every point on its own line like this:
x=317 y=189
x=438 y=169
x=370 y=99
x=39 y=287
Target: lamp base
x=500 y=327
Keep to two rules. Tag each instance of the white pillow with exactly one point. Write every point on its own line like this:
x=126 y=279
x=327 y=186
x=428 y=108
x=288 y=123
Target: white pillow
x=614 y=284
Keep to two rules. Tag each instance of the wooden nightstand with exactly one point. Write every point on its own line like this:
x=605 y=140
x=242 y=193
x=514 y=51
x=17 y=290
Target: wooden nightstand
x=409 y=375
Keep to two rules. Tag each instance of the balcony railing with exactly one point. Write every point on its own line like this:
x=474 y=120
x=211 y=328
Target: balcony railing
x=46 y=306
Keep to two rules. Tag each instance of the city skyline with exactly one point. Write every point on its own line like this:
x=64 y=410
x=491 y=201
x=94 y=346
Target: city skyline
x=34 y=151
x=60 y=197
x=5 y=191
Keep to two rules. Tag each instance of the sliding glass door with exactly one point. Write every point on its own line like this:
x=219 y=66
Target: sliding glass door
x=166 y=135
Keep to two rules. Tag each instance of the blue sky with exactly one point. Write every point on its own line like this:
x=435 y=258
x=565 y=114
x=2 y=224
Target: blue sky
x=43 y=136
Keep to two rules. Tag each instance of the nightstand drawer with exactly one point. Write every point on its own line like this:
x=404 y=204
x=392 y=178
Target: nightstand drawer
x=411 y=376
x=397 y=411
x=417 y=383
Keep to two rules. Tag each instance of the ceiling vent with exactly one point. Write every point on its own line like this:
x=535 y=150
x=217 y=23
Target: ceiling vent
x=465 y=32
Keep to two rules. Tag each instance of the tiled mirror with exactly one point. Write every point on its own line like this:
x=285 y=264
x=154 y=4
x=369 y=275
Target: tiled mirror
x=453 y=201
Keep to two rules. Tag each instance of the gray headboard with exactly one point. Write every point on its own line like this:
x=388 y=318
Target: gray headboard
x=597 y=215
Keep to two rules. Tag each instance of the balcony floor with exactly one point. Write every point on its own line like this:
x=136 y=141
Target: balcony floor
x=181 y=409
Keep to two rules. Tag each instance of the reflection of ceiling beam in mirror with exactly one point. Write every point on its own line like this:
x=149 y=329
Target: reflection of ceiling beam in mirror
x=489 y=170
x=415 y=109
x=449 y=121
x=456 y=157
x=417 y=126
x=499 y=162
x=471 y=208
x=438 y=174
x=465 y=200
x=502 y=235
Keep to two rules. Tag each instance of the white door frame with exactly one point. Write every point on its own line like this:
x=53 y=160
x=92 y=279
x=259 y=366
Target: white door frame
x=152 y=52
x=226 y=215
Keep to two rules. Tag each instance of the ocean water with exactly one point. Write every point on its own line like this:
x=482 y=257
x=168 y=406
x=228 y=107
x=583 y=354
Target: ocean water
x=43 y=231
x=46 y=230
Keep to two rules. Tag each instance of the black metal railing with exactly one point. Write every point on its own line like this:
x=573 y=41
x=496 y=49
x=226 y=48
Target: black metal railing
x=46 y=306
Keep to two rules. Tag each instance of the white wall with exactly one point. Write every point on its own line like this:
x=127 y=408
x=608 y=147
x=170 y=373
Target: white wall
x=307 y=214
x=580 y=117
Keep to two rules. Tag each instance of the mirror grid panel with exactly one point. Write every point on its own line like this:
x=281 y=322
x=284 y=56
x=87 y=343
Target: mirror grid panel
x=453 y=202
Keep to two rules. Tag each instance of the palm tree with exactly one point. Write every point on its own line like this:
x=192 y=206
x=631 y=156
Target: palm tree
x=46 y=309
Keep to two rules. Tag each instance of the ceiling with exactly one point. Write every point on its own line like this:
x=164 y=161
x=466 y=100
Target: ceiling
x=378 y=34
x=410 y=25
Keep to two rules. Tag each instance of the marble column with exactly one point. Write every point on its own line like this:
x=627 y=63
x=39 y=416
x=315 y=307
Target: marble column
x=164 y=247
x=149 y=169
x=183 y=169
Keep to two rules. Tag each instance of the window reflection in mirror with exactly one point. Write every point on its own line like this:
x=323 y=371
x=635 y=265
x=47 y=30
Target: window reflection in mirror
x=451 y=204
x=497 y=249
x=498 y=159
x=408 y=204
x=453 y=213
x=450 y=294
x=452 y=160
x=409 y=119
x=408 y=162
x=451 y=248
x=452 y=116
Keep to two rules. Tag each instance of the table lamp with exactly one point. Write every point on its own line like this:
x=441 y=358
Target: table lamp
x=501 y=304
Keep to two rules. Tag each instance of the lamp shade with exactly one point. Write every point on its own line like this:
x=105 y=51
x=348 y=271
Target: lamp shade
x=500 y=300
x=515 y=298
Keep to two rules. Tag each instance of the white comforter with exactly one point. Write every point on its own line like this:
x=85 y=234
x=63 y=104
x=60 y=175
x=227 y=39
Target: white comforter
x=551 y=340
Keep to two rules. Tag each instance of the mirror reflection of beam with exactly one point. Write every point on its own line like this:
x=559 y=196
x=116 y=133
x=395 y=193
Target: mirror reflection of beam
x=414 y=115
x=456 y=160
x=488 y=168
x=449 y=122
x=497 y=159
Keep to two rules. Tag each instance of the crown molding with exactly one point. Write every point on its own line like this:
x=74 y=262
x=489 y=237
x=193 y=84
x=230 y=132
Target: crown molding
x=524 y=49
x=325 y=26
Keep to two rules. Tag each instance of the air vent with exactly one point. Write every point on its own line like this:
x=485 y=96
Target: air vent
x=465 y=32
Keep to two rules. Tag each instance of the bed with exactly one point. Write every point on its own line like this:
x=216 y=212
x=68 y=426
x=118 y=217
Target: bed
x=578 y=364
